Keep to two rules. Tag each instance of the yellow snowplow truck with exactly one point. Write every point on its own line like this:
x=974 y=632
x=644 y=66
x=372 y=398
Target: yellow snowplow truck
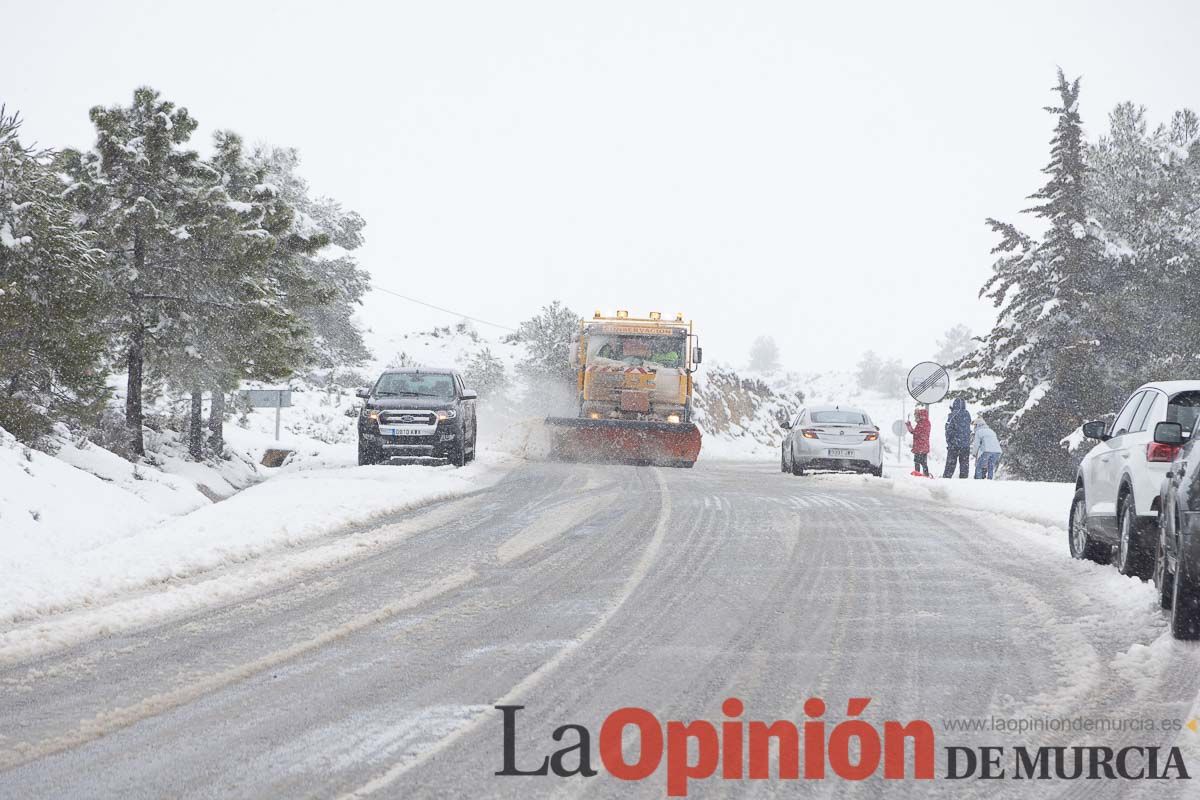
x=635 y=392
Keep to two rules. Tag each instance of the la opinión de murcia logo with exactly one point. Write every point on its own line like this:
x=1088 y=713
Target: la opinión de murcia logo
x=735 y=748
x=853 y=749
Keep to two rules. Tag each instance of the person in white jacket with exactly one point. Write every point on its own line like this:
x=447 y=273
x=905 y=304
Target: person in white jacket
x=987 y=450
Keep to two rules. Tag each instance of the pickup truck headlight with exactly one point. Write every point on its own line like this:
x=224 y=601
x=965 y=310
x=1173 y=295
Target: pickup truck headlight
x=372 y=414
x=444 y=414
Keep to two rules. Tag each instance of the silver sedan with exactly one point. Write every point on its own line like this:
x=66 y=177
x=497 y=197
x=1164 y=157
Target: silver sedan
x=836 y=438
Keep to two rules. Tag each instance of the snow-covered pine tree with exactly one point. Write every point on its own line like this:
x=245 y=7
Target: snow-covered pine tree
x=129 y=188
x=1047 y=351
x=485 y=374
x=51 y=292
x=268 y=246
x=869 y=370
x=231 y=319
x=955 y=343
x=764 y=355
x=547 y=339
x=1145 y=192
x=892 y=375
x=335 y=341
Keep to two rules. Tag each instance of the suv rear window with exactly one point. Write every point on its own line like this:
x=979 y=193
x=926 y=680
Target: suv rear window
x=1184 y=408
x=844 y=417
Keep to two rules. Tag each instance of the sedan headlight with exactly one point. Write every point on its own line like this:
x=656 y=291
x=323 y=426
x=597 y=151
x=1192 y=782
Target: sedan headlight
x=444 y=414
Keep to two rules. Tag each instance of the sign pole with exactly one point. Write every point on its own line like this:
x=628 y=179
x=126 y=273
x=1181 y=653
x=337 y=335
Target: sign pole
x=278 y=408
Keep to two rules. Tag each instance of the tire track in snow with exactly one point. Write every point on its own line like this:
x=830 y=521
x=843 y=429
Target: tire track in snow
x=116 y=719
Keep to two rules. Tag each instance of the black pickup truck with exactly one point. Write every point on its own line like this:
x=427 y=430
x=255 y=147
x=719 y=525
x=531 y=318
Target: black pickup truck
x=417 y=414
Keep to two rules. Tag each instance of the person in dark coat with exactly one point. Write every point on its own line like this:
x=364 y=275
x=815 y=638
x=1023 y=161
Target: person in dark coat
x=958 y=439
x=920 y=445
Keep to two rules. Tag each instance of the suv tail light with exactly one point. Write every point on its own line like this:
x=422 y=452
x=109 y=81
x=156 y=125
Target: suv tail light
x=809 y=433
x=1162 y=452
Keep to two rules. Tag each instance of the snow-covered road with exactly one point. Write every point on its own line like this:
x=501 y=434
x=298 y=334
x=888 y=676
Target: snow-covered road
x=577 y=590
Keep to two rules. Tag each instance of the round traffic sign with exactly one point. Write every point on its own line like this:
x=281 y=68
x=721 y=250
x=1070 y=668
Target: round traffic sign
x=898 y=427
x=928 y=382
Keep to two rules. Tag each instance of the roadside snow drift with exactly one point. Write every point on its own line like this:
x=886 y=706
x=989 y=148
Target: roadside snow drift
x=1042 y=503
x=80 y=558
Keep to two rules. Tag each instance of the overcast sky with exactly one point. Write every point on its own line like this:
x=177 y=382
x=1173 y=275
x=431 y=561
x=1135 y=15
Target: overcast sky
x=818 y=173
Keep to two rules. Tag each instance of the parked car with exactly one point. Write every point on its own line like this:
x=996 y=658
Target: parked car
x=1118 y=486
x=838 y=438
x=1177 y=556
x=417 y=413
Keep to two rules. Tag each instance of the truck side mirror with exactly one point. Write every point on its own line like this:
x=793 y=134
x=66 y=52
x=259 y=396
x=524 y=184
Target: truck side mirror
x=363 y=393
x=1095 y=430
x=470 y=394
x=1168 y=433
x=698 y=356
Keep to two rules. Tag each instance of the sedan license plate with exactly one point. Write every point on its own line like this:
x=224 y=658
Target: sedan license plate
x=838 y=453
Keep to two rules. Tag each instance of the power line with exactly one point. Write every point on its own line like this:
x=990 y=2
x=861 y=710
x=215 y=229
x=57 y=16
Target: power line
x=440 y=308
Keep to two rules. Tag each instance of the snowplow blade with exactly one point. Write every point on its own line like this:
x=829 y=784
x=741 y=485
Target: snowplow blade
x=624 y=441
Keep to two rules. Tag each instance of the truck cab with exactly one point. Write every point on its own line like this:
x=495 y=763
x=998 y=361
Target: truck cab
x=636 y=369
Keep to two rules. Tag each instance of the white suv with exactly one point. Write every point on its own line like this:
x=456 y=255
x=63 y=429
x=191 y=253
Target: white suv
x=1117 y=489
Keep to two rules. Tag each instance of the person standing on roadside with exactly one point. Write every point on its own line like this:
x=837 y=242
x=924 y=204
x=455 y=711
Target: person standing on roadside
x=987 y=450
x=958 y=439
x=920 y=444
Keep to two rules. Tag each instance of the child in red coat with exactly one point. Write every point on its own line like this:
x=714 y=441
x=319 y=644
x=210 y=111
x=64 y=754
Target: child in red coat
x=920 y=445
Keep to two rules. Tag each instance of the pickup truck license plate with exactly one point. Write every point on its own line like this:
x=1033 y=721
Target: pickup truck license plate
x=392 y=431
x=836 y=453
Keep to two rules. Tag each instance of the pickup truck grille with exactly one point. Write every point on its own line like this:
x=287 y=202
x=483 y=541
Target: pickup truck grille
x=392 y=417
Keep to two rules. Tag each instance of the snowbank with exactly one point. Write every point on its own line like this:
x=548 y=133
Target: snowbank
x=1042 y=503
x=717 y=447
x=50 y=509
x=165 y=492
x=83 y=561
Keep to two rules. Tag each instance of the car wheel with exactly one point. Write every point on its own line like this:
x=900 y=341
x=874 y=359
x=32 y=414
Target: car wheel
x=796 y=468
x=1185 y=600
x=1132 y=559
x=458 y=453
x=1164 y=580
x=878 y=471
x=1080 y=541
x=474 y=446
x=366 y=455
x=783 y=465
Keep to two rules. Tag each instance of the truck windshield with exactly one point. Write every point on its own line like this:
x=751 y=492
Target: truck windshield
x=415 y=384
x=663 y=351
